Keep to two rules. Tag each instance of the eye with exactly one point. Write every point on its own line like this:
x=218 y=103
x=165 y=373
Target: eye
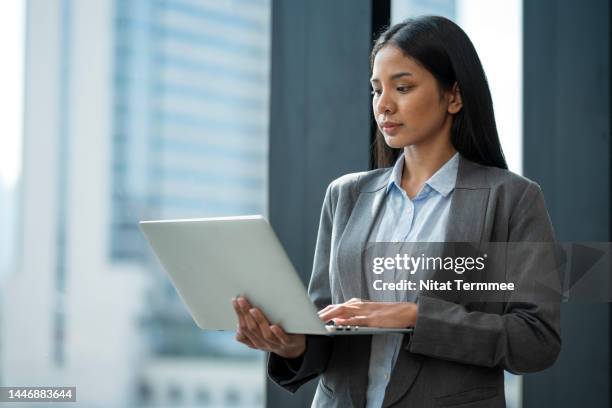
x=404 y=89
x=375 y=92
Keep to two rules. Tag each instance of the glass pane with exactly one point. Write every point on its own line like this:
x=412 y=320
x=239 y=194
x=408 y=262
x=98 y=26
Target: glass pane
x=134 y=109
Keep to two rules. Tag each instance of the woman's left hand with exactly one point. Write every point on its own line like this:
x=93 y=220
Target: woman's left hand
x=357 y=312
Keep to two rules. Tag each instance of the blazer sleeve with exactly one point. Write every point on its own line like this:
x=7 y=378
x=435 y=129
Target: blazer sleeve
x=526 y=336
x=292 y=373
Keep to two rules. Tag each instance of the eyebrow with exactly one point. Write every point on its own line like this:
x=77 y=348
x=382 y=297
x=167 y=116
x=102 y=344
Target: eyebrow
x=393 y=77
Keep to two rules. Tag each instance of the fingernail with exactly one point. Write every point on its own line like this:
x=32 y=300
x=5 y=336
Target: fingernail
x=253 y=312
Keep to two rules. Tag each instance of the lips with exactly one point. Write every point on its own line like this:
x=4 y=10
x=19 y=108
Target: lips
x=390 y=127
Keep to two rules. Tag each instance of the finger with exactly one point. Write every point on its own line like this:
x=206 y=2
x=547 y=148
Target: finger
x=342 y=311
x=244 y=309
x=253 y=330
x=329 y=309
x=240 y=314
x=259 y=317
x=253 y=337
x=336 y=305
x=353 y=321
x=246 y=324
x=242 y=338
x=329 y=315
x=235 y=306
x=264 y=327
x=245 y=305
x=249 y=327
x=281 y=335
x=326 y=308
x=255 y=341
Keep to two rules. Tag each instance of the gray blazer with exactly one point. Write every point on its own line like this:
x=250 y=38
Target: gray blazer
x=459 y=349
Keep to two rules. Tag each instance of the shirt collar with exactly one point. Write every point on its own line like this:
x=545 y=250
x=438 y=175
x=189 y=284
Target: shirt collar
x=443 y=180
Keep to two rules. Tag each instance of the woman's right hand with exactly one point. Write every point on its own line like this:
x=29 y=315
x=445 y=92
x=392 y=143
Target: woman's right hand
x=256 y=332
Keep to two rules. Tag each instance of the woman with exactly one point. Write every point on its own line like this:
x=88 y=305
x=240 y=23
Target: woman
x=442 y=177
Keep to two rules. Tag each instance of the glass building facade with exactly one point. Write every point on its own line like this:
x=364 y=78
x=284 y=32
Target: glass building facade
x=190 y=113
x=190 y=134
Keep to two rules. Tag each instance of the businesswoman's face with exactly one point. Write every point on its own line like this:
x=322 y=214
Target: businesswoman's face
x=408 y=105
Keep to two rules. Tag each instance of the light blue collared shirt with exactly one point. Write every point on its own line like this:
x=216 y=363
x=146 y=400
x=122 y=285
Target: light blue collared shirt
x=401 y=219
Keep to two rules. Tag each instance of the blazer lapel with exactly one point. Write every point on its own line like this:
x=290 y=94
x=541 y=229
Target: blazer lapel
x=351 y=246
x=468 y=204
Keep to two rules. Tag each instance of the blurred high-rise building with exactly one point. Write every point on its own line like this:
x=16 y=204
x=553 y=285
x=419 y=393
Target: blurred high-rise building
x=191 y=109
x=134 y=109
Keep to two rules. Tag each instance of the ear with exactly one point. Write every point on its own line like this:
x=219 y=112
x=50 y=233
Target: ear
x=454 y=102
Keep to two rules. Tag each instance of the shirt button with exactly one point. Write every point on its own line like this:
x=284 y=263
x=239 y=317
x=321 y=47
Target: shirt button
x=386 y=376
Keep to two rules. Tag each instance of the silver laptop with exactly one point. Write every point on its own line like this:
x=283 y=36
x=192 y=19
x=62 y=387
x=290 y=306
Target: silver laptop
x=212 y=260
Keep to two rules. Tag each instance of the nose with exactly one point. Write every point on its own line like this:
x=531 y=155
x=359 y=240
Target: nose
x=384 y=104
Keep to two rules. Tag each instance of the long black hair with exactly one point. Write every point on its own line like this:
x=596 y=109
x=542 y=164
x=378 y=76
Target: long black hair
x=444 y=49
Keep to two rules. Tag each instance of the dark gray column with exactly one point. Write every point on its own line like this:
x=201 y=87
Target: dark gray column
x=319 y=123
x=567 y=149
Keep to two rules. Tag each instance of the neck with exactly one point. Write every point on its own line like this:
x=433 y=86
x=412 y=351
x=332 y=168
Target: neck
x=422 y=160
